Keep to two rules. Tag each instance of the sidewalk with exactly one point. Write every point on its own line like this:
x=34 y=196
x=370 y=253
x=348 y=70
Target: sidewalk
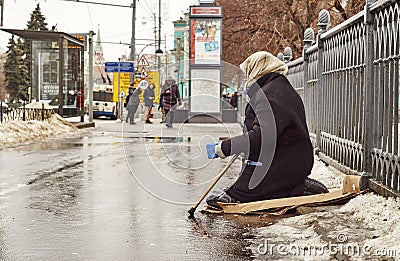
x=365 y=228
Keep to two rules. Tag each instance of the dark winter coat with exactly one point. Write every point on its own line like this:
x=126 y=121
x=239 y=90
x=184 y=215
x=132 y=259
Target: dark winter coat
x=149 y=97
x=234 y=101
x=170 y=96
x=127 y=99
x=134 y=98
x=292 y=159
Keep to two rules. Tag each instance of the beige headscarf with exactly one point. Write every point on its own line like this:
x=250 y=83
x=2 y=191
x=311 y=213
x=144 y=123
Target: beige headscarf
x=261 y=63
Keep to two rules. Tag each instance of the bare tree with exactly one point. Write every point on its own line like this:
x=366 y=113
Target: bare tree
x=254 y=25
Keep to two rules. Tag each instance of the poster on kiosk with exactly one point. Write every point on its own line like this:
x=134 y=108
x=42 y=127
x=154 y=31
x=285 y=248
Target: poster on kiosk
x=205 y=58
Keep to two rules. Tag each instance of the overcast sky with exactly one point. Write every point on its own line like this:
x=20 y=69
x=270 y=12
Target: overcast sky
x=114 y=22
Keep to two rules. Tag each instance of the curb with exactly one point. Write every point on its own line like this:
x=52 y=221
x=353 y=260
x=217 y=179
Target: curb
x=81 y=125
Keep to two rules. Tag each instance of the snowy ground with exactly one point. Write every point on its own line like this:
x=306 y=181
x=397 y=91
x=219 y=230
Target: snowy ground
x=366 y=228
x=16 y=133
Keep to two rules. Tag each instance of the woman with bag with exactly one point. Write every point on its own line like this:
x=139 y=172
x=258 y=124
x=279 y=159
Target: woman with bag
x=170 y=98
x=148 y=101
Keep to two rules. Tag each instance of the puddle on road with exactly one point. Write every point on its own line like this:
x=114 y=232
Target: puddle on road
x=230 y=235
x=162 y=139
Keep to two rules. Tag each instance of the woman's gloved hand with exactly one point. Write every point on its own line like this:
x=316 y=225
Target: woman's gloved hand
x=214 y=151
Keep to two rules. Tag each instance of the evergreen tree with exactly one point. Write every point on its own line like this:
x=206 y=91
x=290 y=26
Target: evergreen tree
x=23 y=72
x=11 y=69
x=38 y=21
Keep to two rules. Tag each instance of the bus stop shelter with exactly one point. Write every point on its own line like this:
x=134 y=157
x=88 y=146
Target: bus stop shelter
x=57 y=69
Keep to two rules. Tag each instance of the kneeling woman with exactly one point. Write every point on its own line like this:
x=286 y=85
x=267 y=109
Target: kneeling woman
x=275 y=140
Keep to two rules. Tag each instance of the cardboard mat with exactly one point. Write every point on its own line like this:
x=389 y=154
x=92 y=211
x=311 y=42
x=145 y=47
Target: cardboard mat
x=350 y=189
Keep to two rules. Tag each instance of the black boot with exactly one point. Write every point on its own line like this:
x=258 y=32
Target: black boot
x=223 y=198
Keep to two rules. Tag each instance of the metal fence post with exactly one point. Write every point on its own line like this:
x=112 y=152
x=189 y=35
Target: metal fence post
x=42 y=111
x=308 y=41
x=287 y=54
x=368 y=94
x=323 y=23
x=23 y=114
x=280 y=56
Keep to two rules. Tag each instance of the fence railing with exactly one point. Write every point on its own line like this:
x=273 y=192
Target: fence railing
x=349 y=81
x=25 y=114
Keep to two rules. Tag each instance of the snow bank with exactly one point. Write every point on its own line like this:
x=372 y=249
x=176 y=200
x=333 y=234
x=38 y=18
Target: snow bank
x=378 y=213
x=14 y=133
x=37 y=105
x=365 y=228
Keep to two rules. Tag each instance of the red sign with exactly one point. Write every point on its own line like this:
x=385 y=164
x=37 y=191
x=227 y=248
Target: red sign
x=143 y=61
x=206 y=11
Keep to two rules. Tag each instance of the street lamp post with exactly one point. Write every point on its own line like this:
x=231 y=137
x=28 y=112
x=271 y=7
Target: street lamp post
x=132 y=53
x=159 y=51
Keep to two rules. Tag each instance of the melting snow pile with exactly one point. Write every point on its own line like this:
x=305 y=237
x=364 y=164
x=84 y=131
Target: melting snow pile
x=14 y=133
x=377 y=213
x=366 y=228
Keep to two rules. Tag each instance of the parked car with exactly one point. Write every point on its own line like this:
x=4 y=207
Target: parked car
x=4 y=107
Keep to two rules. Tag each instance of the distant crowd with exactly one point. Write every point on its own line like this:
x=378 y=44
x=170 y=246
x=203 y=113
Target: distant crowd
x=230 y=102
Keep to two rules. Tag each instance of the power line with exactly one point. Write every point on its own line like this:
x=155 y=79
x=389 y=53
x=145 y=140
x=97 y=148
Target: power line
x=90 y=16
x=96 y=3
x=129 y=43
x=147 y=6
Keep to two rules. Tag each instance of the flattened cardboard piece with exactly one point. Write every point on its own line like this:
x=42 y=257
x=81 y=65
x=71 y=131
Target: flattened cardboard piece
x=351 y=184
x=269 y=212
x=244 y=208
x=350 y=188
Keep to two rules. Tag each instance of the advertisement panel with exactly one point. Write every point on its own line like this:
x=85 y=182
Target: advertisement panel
x=205 y=40
x=48 y=81
x=124 y=81
x=205 y=90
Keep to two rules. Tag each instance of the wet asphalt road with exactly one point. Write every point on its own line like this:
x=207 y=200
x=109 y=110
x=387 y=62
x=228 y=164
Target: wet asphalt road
x=118 y=194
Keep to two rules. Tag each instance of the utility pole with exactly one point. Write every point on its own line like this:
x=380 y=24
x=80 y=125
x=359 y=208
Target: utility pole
x=159 y=25
x=132 y=54
x=90 y=98
x=2 y=12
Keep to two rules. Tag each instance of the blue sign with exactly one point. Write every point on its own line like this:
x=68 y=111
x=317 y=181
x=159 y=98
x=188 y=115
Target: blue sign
x=126 y=64
x=111 y=64
x=123 y=67
x=111 y=69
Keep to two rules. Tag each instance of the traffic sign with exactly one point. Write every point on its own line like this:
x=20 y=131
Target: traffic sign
x=123 y=67
x=143 y=84
x=143 y=61
x=144 y=73
x=111 y=64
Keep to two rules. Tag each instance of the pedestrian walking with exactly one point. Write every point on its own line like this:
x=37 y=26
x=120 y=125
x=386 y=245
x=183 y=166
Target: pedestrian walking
x=234 y=100
x=275 y=140
x=148 y=101
x=160 y=107
x=133 y=103
x=126 y=103
x=170 y=98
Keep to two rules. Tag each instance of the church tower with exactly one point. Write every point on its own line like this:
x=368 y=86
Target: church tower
x=99 y=74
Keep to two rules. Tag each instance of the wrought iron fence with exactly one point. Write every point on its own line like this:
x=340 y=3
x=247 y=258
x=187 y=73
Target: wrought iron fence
x=25 y=114
x=349 y=81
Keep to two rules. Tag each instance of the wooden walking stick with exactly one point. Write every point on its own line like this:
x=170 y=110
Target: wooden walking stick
x=193 y=209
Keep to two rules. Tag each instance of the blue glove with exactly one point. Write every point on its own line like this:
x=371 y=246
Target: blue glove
x=210 y=147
